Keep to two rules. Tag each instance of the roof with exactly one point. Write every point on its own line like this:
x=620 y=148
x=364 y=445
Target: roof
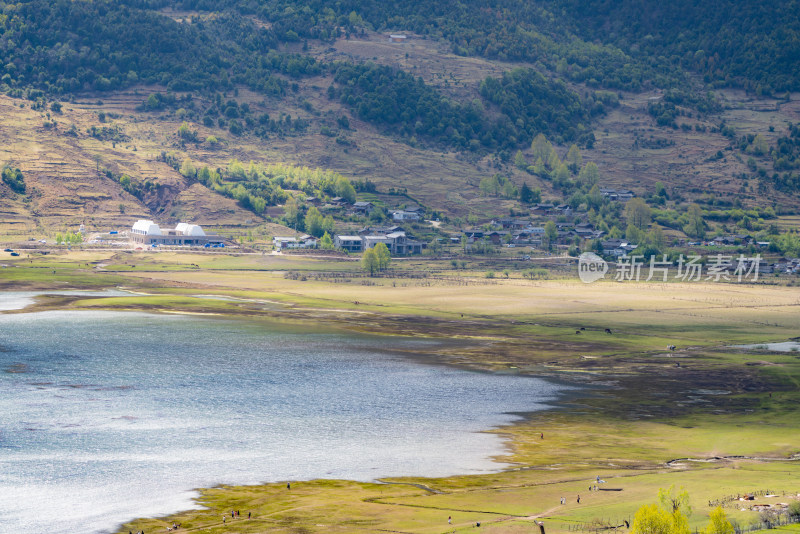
x=189 y=229
x=348 y=237
x=146 y=227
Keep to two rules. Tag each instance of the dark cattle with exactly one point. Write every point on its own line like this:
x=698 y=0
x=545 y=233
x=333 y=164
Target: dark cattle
x=608 y=331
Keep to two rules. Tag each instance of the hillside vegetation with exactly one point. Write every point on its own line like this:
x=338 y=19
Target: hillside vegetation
x=693 y=96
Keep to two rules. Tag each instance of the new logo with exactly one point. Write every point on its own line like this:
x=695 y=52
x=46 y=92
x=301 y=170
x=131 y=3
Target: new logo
x=591 y=267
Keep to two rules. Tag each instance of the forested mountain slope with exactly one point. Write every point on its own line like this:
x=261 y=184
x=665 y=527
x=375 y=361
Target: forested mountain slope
x=696 y=95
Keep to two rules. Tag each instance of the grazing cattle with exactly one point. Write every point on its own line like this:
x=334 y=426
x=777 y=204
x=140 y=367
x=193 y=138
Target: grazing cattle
x=577 y=331
x=608 y=331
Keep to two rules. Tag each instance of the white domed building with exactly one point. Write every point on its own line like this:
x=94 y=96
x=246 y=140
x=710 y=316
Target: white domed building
x=146 y=232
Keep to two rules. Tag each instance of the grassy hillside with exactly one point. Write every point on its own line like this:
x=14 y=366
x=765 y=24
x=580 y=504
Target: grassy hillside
x=92 y=116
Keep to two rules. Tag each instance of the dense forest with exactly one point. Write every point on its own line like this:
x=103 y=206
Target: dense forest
x=625 y=44
x=66 y=46
x=742 y=43
x=525 y=103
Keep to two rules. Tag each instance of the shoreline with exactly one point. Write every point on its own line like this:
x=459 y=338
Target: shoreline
x=494 y=458
x=630 y=386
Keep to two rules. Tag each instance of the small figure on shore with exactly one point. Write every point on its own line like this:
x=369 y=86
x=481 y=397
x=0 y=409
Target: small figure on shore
x=449 y=520
x=288 y=485
x=223 y=519
x=248 y=515
x=579 y=499
x=542 y=436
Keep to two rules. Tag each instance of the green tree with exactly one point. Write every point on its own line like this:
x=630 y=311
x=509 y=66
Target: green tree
x=509 y=191
x=435 y=246
x=291 y=212
x=574 y=159
x=369 y=261
x=383 y=255
x=314 y=222
x=541 y=147
x=651 y=519
x=634 y=234
x=326 y=243
x=14 y=179
x=670 y=517
x=550 y=234
x=657 y=238
x=719 y=522
x=530 y=196
x=553 y=161
x=695 y=225
x=561 y=176
x=594 y=199
x=328 y=225
x=186 y=133
x=589 y=174
x=345 y=189
x=187 y=168
x=520 y=161
x=490 y=185
x=637 y=212
x=759 y=146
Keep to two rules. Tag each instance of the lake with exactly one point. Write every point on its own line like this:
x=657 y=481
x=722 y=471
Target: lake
x=108 y=416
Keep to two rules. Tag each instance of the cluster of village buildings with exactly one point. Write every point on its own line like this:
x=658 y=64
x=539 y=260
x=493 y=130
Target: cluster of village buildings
x=509 y=232
x=394 y=237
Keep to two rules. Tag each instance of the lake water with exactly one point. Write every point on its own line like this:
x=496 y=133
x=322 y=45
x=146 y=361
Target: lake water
x=780 y=346
x=109 y=416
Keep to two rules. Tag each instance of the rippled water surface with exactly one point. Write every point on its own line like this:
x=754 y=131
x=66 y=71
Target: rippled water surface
x=109 y=416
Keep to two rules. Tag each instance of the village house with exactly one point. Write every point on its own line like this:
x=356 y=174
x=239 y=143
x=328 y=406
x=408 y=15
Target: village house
x=403 y=215
x=380 y=230
x=543 y=208
x=304 y=241
x=146 y=232
x=563 y=209
x=350 y=243
x=497 y=236
x=473 y=235
x=363 y=208
x=616 y=247
x=615 y=194
x=398 y=243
